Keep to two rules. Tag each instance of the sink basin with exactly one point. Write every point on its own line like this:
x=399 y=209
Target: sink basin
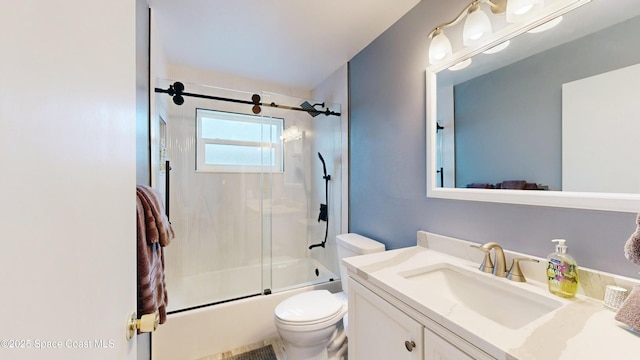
x=496 y=300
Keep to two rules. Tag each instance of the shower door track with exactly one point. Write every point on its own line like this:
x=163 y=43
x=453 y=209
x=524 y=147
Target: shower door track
x=176 y=91
x=213 y=303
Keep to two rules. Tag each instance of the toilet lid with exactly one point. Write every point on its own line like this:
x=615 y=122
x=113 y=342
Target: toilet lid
x=310 y=306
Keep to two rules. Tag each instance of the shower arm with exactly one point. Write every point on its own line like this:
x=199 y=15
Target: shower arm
x=176 y=91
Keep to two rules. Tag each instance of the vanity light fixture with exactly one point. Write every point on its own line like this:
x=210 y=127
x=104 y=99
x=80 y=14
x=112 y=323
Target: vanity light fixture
x=461 y=65
x=497 y=48
x=546 y=26
x=440 y=47
x=517 y=10
x=477 y=25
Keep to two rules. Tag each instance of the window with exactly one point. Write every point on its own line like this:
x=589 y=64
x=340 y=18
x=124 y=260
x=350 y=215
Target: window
x=230 y=142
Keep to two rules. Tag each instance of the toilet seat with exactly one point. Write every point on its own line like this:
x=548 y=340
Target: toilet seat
x=309 y=311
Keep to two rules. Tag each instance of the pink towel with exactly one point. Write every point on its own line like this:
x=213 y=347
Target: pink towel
x=153 y=233
x=632 y=246
x=629 y=311
x=158 y=227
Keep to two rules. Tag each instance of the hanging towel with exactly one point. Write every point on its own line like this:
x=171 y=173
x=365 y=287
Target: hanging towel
x=153 y=233
x=632 y=246
x=158 y=228
x=629 y=311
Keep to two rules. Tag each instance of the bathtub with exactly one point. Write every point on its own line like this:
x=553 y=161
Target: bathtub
x=290 y=273
x=209 y=330
x=213 y=287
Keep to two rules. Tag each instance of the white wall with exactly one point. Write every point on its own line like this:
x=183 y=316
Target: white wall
x=159 y=69
x=67 y=149
x=186 y=74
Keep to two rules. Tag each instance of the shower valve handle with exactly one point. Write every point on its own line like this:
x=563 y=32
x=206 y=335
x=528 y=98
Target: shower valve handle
x=324 y=213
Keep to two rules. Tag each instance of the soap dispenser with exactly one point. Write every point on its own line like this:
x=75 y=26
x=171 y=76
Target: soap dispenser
x=562 y=271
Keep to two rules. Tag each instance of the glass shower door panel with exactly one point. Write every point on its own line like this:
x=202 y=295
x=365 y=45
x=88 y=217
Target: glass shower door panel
x=217 y=216
x=297 y=192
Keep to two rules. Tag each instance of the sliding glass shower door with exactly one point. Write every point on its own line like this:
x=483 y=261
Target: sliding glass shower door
x=245 y=192
x=302 y=247
x=216 y=196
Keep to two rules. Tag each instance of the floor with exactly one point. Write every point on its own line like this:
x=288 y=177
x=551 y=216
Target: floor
x=276 y=342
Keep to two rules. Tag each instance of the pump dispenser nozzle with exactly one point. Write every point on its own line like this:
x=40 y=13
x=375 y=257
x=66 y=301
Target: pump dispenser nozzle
x=561 y=248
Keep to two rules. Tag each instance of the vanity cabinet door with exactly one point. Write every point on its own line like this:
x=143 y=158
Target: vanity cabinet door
x=379 y=331
x=437 y=348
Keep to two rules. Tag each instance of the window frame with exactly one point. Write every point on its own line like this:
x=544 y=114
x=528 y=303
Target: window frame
x=201 y=142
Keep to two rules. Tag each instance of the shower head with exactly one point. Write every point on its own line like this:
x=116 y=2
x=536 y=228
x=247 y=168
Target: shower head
x=311 y=109
x=324 y=166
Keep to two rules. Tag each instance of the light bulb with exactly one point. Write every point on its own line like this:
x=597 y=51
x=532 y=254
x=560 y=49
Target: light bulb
x=477 y=26
x=440 y=47
x=518 y=10
x=523 y=10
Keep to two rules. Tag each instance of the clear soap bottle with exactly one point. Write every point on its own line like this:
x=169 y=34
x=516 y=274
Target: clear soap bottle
x=562 y=271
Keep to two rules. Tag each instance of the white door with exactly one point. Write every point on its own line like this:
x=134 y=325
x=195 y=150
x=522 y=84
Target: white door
x=67 y=179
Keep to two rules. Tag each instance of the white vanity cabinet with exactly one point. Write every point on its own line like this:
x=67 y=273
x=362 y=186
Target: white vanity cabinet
x=378 y=330
x=437 y=348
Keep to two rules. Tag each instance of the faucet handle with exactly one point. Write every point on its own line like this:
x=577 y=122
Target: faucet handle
x=487 y=264
x=515 y=273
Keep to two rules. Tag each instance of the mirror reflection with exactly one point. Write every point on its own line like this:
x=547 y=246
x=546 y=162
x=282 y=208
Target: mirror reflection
x=553 y=111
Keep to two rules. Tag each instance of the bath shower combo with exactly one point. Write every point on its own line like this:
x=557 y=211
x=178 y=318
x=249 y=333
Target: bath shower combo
x=176 y=91
x=238 y=242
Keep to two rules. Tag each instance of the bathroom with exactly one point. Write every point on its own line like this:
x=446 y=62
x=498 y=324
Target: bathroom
x=386 y=168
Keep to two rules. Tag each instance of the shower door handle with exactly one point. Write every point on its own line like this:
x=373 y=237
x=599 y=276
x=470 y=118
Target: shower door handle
x=167 y=168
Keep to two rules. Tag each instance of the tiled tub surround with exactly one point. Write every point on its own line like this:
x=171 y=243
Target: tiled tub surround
x=581 y=328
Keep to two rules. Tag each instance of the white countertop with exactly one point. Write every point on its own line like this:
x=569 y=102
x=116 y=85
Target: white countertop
x=580 y=328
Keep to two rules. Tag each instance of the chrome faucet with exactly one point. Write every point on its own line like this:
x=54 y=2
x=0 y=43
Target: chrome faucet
x=500 y=268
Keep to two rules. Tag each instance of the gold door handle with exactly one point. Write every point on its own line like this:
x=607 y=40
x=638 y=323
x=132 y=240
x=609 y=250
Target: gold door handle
x=146 y=323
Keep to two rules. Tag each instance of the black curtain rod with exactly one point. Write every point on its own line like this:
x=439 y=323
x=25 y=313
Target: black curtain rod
x=176 y=91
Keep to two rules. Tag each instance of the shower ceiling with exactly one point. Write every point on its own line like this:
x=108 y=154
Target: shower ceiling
x=296 y=43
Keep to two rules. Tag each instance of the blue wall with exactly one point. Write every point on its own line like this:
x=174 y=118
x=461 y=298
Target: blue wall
x=388 y=173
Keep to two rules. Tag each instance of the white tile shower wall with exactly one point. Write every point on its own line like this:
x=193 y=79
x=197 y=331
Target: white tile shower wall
x=217 y=216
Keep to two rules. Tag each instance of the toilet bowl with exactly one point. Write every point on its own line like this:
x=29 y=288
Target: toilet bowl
x=313 y=324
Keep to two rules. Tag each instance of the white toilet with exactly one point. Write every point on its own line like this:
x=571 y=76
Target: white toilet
x=313 y=324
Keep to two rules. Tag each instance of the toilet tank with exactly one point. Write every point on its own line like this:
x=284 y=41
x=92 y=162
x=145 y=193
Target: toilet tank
x=352 y=245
